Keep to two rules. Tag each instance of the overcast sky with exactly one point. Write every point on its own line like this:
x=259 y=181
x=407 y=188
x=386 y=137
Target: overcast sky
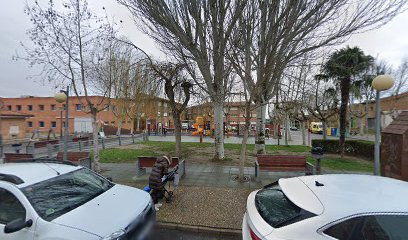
x=389 y=43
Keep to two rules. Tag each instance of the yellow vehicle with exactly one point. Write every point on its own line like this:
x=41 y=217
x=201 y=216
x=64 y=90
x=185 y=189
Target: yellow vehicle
x=316 y=127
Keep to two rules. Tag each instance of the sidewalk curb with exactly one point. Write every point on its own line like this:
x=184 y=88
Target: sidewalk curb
x=200 y=229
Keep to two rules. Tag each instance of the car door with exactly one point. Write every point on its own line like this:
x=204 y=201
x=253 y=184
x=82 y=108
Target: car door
x=11 y=208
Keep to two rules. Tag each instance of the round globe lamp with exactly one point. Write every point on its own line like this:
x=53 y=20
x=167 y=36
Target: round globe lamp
x=60 y=97
x=382 y=82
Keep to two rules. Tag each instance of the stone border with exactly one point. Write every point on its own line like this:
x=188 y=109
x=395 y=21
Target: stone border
x=202 y=229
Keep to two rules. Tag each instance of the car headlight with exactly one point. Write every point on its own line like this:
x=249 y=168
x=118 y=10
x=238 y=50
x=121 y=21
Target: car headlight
x=118 y=235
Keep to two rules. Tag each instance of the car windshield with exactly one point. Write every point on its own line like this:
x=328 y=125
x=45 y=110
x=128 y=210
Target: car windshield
x=56 y=196
x=276 y=209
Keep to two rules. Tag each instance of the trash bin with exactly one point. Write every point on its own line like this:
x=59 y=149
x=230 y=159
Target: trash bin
x=338 y=132
x=329 y=131
x=334 y=131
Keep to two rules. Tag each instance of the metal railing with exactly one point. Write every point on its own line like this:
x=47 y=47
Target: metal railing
x=51 y=150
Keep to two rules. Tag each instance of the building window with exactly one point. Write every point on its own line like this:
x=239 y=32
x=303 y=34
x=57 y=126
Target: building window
x=41 y=124
x=63 y=106
x=30 y=124
x=113 y=122
x=18 y=107
x=30 y=108
x=9 y=107
x=53 y=107
x=53 y=124
x=41 y=107
x=78 y=107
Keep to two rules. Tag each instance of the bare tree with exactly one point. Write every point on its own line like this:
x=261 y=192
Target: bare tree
x=197 y=33
x=177 y=87
x=70 y=43
x=323 y=100
x=275 y=34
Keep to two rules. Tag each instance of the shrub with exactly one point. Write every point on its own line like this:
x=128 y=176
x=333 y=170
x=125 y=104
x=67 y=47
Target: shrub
x=359 y=148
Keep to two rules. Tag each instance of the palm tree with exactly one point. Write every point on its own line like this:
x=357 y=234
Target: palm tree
x=343 y=65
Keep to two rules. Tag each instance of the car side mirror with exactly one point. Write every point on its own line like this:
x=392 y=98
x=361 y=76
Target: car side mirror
x=17 y=225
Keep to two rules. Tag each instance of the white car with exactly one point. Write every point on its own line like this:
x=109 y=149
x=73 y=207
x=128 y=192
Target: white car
x=45 y=201
x=328 y=207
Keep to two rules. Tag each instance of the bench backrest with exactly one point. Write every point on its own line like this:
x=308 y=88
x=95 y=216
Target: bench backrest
x=73 y=156
x=80 y=138
x=281 y=161
x=42 y=144
x=148 y=162
x=15 y=157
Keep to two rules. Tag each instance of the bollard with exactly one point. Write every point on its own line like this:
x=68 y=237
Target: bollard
x=133 y=138
x=317 y=153
x=49 y=150
x=80 y=145
x=120 y=140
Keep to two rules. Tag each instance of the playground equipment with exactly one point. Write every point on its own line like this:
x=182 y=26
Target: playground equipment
x=196 y=125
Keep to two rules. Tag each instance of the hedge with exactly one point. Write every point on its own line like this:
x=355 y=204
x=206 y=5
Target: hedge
x=359 y=148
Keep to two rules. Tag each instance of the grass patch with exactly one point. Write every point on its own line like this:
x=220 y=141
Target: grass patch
x=170 y=146
x=344 y=164
x=114 y=155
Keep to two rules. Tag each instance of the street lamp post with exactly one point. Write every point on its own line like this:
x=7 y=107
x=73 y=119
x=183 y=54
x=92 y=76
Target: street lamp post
x=380 y=83
x=63 y=96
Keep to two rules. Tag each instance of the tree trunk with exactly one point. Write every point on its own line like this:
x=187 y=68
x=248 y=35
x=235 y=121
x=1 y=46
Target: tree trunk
x=289 y=133
x=218 y=135
x=345 y=94
x=242 y=157
x=138 y=124
x=96 y=165
x=286 y=129
x=303 y=133
x=361 y=123
x=260 y=129
x=324 y=130
x=177 y=132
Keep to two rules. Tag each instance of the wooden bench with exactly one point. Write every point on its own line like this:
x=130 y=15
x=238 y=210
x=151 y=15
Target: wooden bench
x=282 y=163
x=144 y=162
x=16 y=157
x=78 y=158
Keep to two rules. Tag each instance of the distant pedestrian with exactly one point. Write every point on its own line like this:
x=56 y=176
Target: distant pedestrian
x=160 y=168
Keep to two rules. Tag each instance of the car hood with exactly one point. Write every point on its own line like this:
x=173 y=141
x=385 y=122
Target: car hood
x=111 y=211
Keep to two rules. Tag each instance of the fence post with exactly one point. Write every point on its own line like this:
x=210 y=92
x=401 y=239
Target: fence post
x=120 y=141
x=80 y=145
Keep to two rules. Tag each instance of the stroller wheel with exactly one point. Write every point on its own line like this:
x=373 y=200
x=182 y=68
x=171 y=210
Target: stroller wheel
x=169 y=198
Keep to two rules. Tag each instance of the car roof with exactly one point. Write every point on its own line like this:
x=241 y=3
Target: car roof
x=346 y=194
x=31 y=173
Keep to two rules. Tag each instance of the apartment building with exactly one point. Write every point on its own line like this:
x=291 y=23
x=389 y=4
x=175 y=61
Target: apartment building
x=233 y=114
x=390 y=108
x=44 y=113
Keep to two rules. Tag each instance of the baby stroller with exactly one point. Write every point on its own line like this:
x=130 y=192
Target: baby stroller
x=172 y=176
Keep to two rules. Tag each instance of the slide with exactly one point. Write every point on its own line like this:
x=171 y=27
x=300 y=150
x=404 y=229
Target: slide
x=196 y=125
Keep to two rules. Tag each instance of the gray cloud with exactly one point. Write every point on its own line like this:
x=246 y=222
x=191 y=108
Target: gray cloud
x=388 y=43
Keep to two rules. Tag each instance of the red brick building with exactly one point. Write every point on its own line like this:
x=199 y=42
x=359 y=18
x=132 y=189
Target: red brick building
x=44 y=113
x=233 y=114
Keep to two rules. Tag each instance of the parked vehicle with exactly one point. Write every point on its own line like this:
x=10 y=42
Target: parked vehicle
x=293 y=128
x=61 y=201
x=316 y=127
x=323 y=207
